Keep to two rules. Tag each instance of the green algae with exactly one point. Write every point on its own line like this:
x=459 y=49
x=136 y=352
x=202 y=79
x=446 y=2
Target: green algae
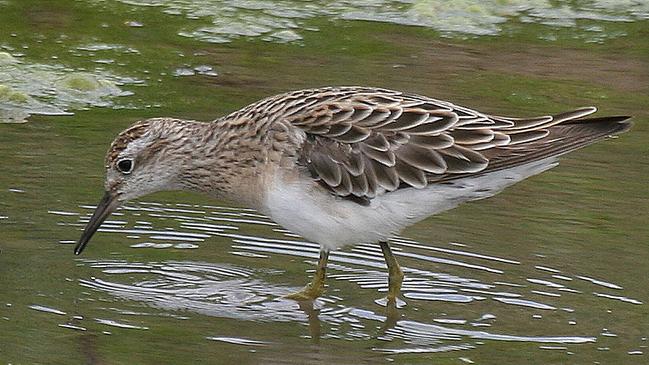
x=271 y=20
x=7 y=94
x=80 y=82
x=27 y=89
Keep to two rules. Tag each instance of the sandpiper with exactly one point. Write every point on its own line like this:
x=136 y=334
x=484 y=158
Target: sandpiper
x=343 y=165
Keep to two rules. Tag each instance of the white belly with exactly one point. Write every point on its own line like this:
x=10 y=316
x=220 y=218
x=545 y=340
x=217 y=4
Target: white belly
x=306 y=209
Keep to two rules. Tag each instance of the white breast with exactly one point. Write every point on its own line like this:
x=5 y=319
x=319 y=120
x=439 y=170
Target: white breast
x=308 y=210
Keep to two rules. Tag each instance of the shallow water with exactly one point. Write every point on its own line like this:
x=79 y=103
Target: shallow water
x=553 y=270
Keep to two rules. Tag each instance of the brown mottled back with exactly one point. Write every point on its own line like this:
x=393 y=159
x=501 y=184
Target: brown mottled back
x=361 y=142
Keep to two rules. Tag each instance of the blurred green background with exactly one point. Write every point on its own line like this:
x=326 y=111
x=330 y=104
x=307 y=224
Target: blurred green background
x=553 y=270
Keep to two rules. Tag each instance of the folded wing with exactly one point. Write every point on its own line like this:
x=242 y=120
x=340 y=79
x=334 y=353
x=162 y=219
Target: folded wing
x=366 y=142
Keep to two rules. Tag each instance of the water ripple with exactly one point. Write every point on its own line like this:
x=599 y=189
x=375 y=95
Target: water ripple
x=246 y=293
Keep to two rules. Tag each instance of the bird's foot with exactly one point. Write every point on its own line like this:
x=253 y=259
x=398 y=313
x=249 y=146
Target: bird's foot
x=391 y=302
x=309 y=293
x=392 y=306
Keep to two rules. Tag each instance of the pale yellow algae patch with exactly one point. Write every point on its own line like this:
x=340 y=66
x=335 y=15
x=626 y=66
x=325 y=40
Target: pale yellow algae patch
x=7 y=94
x=27 y=89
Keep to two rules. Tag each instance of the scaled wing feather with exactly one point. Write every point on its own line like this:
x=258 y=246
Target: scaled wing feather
x=363 y=142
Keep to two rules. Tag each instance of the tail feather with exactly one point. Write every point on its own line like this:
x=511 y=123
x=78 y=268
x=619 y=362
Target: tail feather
x=610 y=119
x=524 y=125
x=571 y=133
x=540 y=138
x=572 y=115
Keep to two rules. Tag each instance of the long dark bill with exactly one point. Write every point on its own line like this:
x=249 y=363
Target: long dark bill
x=106 y=206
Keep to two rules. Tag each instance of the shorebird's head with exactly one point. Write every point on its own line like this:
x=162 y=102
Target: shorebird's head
x=145 y=158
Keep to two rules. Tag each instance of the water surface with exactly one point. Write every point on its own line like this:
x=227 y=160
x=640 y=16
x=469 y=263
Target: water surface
x=553 y=270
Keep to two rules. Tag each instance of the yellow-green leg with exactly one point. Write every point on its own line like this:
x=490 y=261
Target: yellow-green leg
x=395 y=276
x=316 y=287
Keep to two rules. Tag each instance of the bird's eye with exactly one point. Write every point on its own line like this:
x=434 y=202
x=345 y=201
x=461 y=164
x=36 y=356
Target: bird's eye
x=125 y=166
